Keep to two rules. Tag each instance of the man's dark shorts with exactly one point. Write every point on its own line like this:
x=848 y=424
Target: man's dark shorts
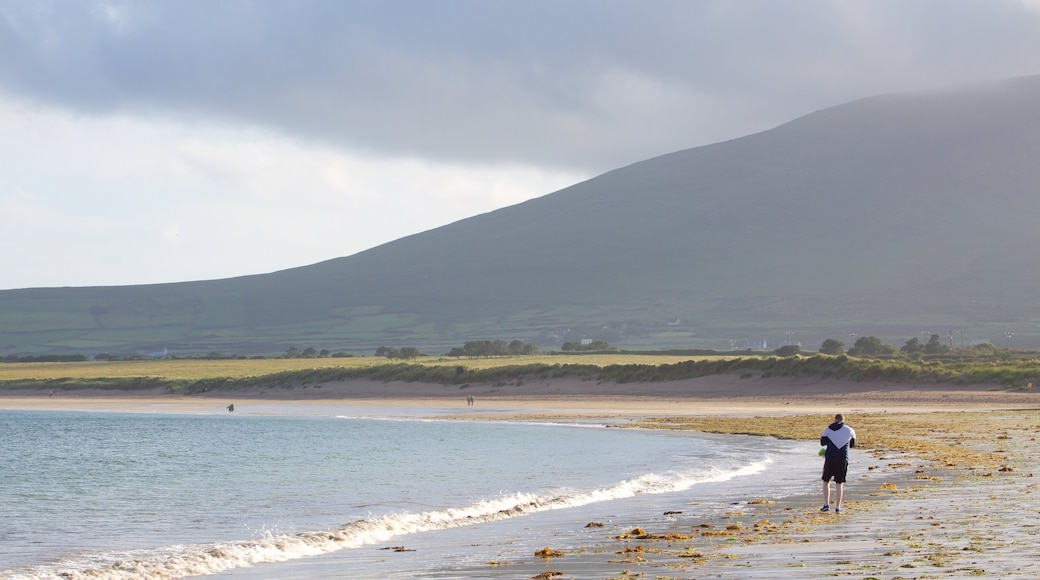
x=835 y=468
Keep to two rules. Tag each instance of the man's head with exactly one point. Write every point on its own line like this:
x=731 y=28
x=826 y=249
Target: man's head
x=839 y=418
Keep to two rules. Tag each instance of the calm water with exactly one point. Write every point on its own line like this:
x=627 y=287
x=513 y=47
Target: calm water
x=120 y=495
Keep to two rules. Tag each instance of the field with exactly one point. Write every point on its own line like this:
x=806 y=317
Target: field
x=193 y=375
x=172 y=369
x=195 y=369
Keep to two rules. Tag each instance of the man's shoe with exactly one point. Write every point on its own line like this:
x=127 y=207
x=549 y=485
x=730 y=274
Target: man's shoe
x=837 y=510
x=825 y=508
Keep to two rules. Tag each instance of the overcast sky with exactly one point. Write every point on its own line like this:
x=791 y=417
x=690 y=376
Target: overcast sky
x=153 y=141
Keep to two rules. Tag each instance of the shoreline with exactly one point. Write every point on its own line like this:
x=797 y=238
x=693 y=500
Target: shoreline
x=962 y=503
x=712 y=395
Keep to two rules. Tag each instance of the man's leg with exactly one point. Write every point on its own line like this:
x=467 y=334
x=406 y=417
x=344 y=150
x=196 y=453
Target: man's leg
x=826 y=493
x=840 y=487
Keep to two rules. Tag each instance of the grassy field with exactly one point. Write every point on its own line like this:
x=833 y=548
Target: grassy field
x=195 y=369
x=174 y=369
x=188 y=375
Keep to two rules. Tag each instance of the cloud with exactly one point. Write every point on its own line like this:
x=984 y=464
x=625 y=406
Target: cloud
x=171 y=233
x=588 y=85
x=151 y=201
x=201 y=139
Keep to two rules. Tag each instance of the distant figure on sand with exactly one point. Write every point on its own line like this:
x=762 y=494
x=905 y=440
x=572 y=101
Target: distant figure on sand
x=231 y=408
x=469 y=401
x=839 y=438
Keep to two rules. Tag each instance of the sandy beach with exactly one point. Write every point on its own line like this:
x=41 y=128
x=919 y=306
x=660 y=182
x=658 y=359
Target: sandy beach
x=712 y=395
x=949 y=489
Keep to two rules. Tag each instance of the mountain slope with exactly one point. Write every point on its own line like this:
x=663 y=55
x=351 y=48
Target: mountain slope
x=893 y=216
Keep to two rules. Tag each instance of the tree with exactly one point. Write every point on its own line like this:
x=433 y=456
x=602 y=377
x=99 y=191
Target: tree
x=310 y=352
x=866 y=346
x=477 y=348
x=409 y=352
x=516 y=347
x=832 y=346
x=985 y=347
x=788 y=350
x=293 y=352
x=933 y=346
x=912 y=347
x=499 y=348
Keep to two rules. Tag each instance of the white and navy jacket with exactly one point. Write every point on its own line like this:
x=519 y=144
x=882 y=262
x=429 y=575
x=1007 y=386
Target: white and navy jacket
x=838 y=437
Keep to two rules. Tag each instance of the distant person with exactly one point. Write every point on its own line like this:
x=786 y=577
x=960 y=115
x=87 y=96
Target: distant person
x=470 y=401
x=839 y=438
x=231 y=408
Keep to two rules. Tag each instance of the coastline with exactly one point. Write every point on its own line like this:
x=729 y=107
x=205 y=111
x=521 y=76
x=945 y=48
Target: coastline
x=711 y=395
x=960 y=502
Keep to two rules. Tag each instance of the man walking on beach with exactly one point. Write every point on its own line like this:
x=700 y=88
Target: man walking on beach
x=838 y=437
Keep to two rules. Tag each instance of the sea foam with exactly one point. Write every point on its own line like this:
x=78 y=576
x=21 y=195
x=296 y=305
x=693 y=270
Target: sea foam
x=203 y=559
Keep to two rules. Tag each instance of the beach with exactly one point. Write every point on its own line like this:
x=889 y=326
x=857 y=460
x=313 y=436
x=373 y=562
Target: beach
x=947 y=490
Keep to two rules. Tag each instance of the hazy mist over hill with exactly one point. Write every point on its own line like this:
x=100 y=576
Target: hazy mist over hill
x=892 y=216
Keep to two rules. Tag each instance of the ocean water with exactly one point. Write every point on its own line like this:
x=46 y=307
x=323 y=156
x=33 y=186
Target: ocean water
x=126 y=495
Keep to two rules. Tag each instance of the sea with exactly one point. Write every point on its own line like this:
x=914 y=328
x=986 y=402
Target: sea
x=342 y=492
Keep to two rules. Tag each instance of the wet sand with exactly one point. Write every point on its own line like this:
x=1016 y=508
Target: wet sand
x=949 y=489
x=952 y=495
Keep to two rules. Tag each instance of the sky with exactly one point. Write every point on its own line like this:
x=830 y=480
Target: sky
x=163 y=141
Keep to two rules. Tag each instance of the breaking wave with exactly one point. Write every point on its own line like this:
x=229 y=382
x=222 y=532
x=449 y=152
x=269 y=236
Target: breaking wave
x=202 y=559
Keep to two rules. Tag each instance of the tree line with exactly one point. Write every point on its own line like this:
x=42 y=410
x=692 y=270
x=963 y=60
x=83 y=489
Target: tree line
x=311 y=352
x=493 y=348
x=595 y=345
x=45 y=358
x=405 y=352
x=872 y=346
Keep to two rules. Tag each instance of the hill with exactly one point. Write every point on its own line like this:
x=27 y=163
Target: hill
x=890 y=216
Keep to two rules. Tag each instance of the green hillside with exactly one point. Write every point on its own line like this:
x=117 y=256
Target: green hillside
x=891 y=216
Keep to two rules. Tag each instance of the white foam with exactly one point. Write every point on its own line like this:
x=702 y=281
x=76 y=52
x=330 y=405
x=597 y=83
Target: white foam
x=204 y=559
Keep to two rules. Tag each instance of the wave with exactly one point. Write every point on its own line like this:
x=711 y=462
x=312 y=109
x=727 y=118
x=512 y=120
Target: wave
x=204 y=559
